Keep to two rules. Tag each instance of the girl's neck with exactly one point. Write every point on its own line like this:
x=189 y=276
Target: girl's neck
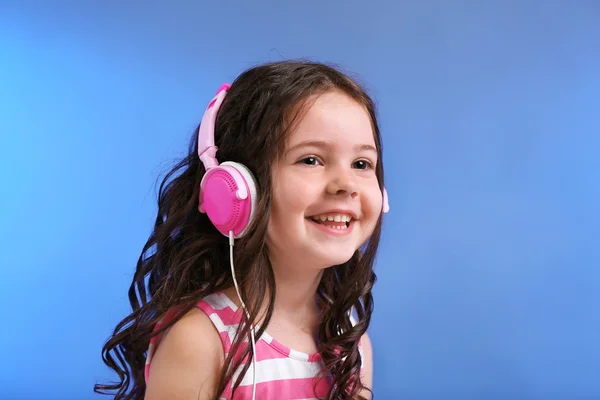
x=295 y=288
x=295 y=306
x=295 y=294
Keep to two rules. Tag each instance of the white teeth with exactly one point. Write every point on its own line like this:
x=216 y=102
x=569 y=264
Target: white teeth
x=333 y=217
x=342 y=227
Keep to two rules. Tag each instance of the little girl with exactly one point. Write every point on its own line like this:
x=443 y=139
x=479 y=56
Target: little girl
x=256 y=280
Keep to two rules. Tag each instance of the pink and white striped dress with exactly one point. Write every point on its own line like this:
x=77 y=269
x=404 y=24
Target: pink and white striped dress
x=281 y=372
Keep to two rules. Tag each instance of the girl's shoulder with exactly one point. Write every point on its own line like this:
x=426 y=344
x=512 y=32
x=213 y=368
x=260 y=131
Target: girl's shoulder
x=213 y=316
x=186 y=357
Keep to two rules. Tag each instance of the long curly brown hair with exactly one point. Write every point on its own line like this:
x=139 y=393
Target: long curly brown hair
x=186 y=258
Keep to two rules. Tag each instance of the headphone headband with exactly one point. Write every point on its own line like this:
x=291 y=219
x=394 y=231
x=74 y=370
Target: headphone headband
x=206 y=133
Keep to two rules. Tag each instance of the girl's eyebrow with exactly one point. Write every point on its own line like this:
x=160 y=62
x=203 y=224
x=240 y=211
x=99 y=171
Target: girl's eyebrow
x=321 y=144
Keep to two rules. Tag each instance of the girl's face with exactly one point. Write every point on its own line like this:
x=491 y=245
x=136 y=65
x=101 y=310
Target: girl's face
x=326 y=196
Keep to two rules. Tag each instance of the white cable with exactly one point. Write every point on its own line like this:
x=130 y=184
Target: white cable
x=237 y=289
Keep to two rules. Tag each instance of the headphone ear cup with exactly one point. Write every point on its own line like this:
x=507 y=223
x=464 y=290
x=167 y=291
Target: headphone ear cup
x=228 y=197
x=386 y=204
x=252 y=186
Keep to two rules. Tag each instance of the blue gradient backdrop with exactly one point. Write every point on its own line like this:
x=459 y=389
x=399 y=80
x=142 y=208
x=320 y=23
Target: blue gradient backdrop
x=489 y=273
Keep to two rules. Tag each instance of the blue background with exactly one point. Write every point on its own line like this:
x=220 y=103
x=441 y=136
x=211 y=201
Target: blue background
x=489 y=278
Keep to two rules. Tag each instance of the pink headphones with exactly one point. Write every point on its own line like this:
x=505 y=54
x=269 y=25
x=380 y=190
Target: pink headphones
x=228 y=191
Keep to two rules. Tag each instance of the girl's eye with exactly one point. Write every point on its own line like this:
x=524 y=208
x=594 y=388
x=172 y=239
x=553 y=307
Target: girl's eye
x=363 y=164
x=310 y=161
